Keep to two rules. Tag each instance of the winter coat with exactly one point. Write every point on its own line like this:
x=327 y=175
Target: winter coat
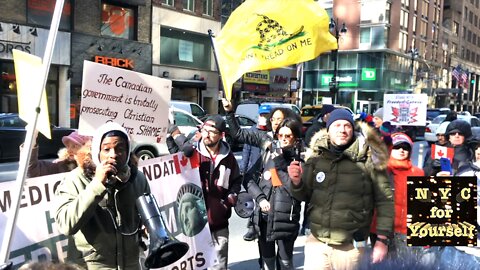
x=284 y=215
x=313 y=129
x=250 y=154
x=103 y=222
x=400 y=170
x=220 y=179
x=345 y=189
x=38 y=168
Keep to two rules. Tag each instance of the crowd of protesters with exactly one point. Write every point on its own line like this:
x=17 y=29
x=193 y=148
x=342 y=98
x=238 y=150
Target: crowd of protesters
x=351 y=173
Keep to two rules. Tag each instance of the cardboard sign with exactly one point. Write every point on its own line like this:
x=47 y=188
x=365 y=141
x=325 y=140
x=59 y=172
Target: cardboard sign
x=137 y=101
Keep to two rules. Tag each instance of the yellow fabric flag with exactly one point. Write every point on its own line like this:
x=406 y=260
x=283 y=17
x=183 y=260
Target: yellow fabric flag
x=266 y=34
x=28 y=70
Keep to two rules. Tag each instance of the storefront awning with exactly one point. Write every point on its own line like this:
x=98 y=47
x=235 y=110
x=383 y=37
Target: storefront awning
x=202 y=85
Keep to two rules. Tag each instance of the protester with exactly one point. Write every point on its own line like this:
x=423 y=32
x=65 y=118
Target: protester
x=459 y=135
x=345 y=179
x=66 y=156
x=221 y=181
x=441 y=141
x=278 y=214
x=400 y=167
x=378 y=118
x=252 y=163
x=96 y=203
x=49 y=266
x=320 y=123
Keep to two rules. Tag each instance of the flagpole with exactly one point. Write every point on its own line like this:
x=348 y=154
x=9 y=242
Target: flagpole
x=210 y=33
x=27 y=149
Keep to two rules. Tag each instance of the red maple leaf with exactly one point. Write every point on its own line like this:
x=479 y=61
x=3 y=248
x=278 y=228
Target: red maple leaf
x=440 y=153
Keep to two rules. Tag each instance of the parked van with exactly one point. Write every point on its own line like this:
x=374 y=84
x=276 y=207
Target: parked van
x=190 y=107
x=250 y=109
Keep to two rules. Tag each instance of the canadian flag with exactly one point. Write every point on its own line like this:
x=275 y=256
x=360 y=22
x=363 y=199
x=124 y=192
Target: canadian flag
x=442 y=152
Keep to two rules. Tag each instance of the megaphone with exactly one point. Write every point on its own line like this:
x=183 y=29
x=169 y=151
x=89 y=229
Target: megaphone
x=245 y=205
x=164 y=249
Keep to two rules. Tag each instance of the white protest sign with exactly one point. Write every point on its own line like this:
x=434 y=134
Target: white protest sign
x=175 y=183
x=36 y=236
x=405 y=109
x=137 y=101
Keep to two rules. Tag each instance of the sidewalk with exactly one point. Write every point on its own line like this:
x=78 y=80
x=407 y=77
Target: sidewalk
x=243 y=255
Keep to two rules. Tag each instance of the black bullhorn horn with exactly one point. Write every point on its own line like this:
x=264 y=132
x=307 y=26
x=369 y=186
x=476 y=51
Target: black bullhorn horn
x=164 y=249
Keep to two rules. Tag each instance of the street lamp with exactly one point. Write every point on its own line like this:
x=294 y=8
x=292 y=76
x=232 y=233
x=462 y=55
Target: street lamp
x=413 y=54
x=337 y=33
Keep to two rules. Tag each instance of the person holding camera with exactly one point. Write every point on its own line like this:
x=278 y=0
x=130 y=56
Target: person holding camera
x=96 y=203
x=278 y=213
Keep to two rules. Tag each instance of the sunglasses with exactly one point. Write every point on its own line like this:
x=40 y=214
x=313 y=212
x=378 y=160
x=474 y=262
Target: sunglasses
x=286 y=136
x=456 y=133
x=402 y=146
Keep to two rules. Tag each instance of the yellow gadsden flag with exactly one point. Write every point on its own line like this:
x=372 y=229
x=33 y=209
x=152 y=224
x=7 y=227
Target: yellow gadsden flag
x=266 y=34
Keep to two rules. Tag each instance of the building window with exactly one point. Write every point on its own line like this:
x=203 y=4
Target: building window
x=365 y=35
x=406 y=3
x=189 y=5
x=404 y=19
x=118 y=21
x=41 y=13
x=168 y=2
x=402 y=41
x=183 y=49
x=208 y=7
x=455 y=28
x=414 y=24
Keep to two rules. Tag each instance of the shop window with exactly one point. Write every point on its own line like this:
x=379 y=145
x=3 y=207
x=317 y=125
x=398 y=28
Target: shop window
x=208 y=7
x=184 y=49
x=40 y=12
x=189 y=5
x=118 y=21
x=168 y=2
x=9 y=96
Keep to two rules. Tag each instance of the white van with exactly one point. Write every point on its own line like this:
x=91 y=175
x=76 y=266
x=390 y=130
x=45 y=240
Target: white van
x=250 y=109
x=190 y=107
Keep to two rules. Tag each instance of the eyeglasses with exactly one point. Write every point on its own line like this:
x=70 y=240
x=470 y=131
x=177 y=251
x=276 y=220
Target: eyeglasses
x=456 y=133
x=286 y=136
x=210 y=132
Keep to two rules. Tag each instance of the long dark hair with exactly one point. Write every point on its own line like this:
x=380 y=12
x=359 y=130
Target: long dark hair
x=294 y=125
x=287 y=113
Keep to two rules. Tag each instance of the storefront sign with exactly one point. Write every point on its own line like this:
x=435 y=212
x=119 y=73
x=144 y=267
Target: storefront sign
x=346 y=81
x=115 y=62
x=369 y=74
x=260 y=77
x=7 y=46
x=280 y=79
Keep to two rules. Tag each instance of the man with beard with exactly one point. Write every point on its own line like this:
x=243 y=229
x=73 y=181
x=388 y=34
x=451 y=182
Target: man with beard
x=221 y=181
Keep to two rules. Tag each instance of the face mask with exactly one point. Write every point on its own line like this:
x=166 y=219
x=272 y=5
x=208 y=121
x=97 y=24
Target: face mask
x=262 y=121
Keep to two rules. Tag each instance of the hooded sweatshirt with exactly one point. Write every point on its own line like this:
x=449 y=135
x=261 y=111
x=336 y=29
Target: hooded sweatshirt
x=103 y=222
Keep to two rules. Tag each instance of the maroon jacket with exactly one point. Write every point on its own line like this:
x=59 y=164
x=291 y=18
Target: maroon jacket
x=221 y=182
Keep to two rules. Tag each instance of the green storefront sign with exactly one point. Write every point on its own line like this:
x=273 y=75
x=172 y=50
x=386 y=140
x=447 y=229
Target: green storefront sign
x=347 y=81
x=369 y=74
